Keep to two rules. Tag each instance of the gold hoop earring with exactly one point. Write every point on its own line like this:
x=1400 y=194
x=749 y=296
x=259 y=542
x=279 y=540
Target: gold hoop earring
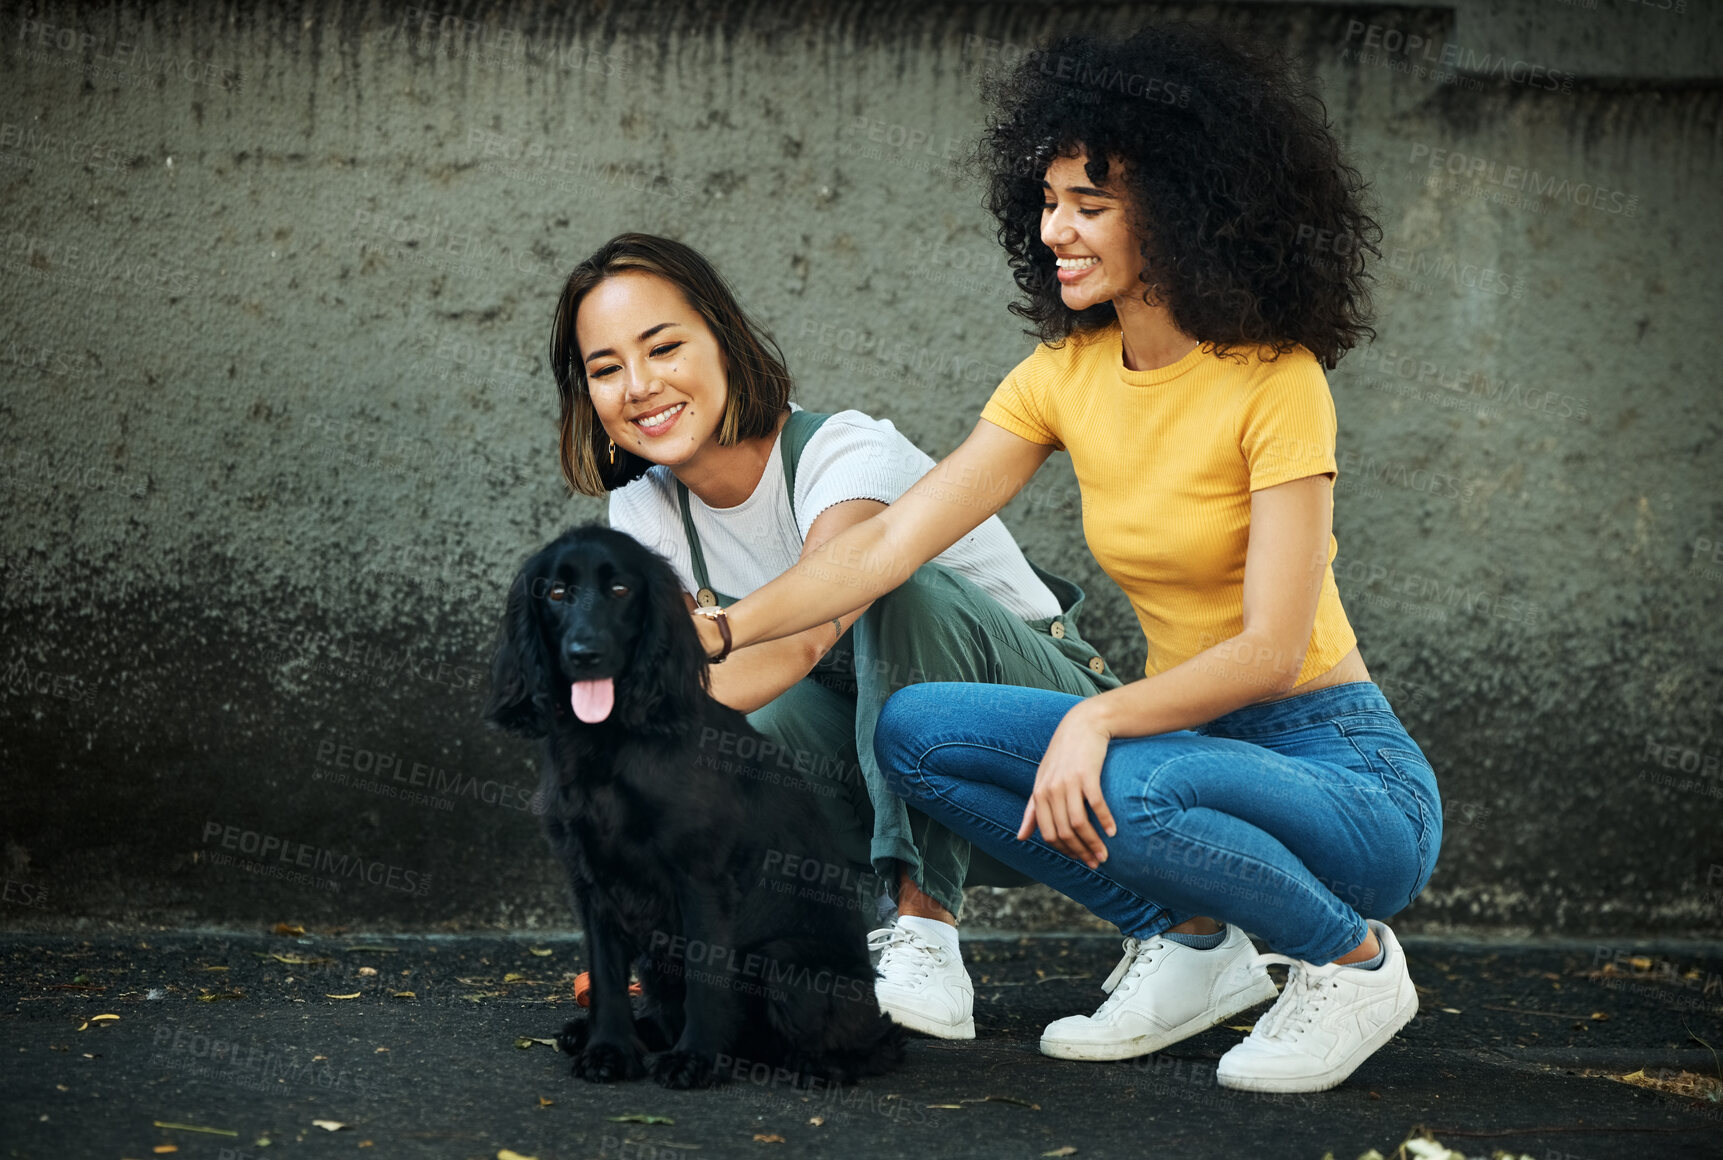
x=613 y=451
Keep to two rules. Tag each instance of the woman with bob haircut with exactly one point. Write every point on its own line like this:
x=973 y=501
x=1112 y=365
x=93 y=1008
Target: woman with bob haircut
x=677 y=405
x=1255 y=778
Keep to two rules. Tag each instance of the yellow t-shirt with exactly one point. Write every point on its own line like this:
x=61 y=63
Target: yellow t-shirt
x=1166 y=460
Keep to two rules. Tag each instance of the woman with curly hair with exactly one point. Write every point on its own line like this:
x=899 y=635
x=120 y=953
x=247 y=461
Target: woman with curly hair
x=1190 y=248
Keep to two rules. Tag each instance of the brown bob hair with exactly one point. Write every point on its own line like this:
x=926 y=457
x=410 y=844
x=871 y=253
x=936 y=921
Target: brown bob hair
x=759 y=382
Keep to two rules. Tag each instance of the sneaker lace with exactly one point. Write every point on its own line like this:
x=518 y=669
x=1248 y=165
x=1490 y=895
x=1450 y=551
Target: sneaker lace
x=1139 y=956
x=1308 y=987
x=904 y=953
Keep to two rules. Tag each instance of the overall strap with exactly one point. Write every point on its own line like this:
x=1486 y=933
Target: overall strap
x=706 y=598
x=797 y=430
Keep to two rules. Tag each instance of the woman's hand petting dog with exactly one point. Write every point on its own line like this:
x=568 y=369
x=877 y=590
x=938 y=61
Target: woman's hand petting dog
x=675 y=822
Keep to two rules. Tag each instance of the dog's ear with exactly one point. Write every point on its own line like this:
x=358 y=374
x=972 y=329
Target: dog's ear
x=667 y=674
x=520 y=688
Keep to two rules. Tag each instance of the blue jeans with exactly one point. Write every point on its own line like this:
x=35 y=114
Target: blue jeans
x=1295 y=819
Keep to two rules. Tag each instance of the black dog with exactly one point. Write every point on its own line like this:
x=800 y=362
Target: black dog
x=677 y=857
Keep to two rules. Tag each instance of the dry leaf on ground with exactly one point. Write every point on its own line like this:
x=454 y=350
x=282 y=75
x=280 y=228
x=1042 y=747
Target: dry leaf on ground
x=1676 y=1083
x=1003 y=1100
x=195 y=1128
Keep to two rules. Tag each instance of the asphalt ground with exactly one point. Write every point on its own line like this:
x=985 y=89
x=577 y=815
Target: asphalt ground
x=235 y=1046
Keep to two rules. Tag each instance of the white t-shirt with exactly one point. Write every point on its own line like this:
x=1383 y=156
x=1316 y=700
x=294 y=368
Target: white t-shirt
x=851 y=456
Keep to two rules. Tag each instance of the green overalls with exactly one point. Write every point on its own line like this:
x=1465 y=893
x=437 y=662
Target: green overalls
x=936 y=626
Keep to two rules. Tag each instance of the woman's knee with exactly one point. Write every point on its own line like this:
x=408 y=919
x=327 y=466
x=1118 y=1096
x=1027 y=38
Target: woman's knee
x=1156 y=778
x=901 y=738
x=923 y=620
x=780 y=724
x=805 y=714
x=925 y=592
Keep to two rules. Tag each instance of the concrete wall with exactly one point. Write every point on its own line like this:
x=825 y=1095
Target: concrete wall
x=276 y=288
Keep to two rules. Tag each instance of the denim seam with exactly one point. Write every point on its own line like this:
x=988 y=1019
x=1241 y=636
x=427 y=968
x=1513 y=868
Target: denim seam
x=1391 y=757
x=1338 y=721
x=1299 y=715
x=1423 y=821
x=931 y=789
x=1370 y=766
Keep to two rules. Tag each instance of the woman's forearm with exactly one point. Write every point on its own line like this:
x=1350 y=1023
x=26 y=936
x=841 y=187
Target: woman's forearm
x=1239 y=671
x=847 y=572
x=760 y=673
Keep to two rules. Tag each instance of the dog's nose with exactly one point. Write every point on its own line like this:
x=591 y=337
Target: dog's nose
x=580 y=656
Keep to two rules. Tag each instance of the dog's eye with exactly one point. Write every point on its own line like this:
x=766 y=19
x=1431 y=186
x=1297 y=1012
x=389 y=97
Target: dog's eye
x=619 y=590
x=557 y=591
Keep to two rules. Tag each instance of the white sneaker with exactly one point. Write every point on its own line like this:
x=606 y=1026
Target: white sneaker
x=923 y=985
x=1162 y=992
x=1329 y=1020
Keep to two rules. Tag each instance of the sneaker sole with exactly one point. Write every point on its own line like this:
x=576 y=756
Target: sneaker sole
x=914 y=1022
x=1260 y=992
x=1321 y=1081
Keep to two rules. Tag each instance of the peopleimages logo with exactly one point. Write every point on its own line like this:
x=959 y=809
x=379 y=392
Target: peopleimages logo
x=94 y=267
x=1437 y=591
x=73 y=150
x=1436 y=483
x=1472 y=383
x=1524 y=179
x=1435 y=56
x=736 y=968
x=1420 y=267
x=317 y=859
x=96 y=53
x=439 y=785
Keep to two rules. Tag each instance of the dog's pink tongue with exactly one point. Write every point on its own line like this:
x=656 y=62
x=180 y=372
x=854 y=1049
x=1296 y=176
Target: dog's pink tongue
x=592 y=700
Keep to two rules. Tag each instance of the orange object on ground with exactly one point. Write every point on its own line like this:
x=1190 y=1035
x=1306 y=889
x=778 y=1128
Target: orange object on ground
x=583 y=988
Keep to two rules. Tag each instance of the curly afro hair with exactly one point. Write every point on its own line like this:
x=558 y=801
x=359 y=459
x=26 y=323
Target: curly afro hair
x=1252 y=227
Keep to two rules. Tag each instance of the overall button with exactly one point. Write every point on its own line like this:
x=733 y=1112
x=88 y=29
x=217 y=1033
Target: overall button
x=706 y=598
x=1058 y=630
x=1097 y=664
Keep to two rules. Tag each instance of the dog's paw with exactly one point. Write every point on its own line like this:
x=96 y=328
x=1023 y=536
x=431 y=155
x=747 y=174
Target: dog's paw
x=681 y=1070
x=607 y=1063
x=571 y=1040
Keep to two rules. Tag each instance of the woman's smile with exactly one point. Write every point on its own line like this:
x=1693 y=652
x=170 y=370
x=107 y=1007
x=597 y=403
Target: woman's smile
x=659 y=421
x=1071 y=269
